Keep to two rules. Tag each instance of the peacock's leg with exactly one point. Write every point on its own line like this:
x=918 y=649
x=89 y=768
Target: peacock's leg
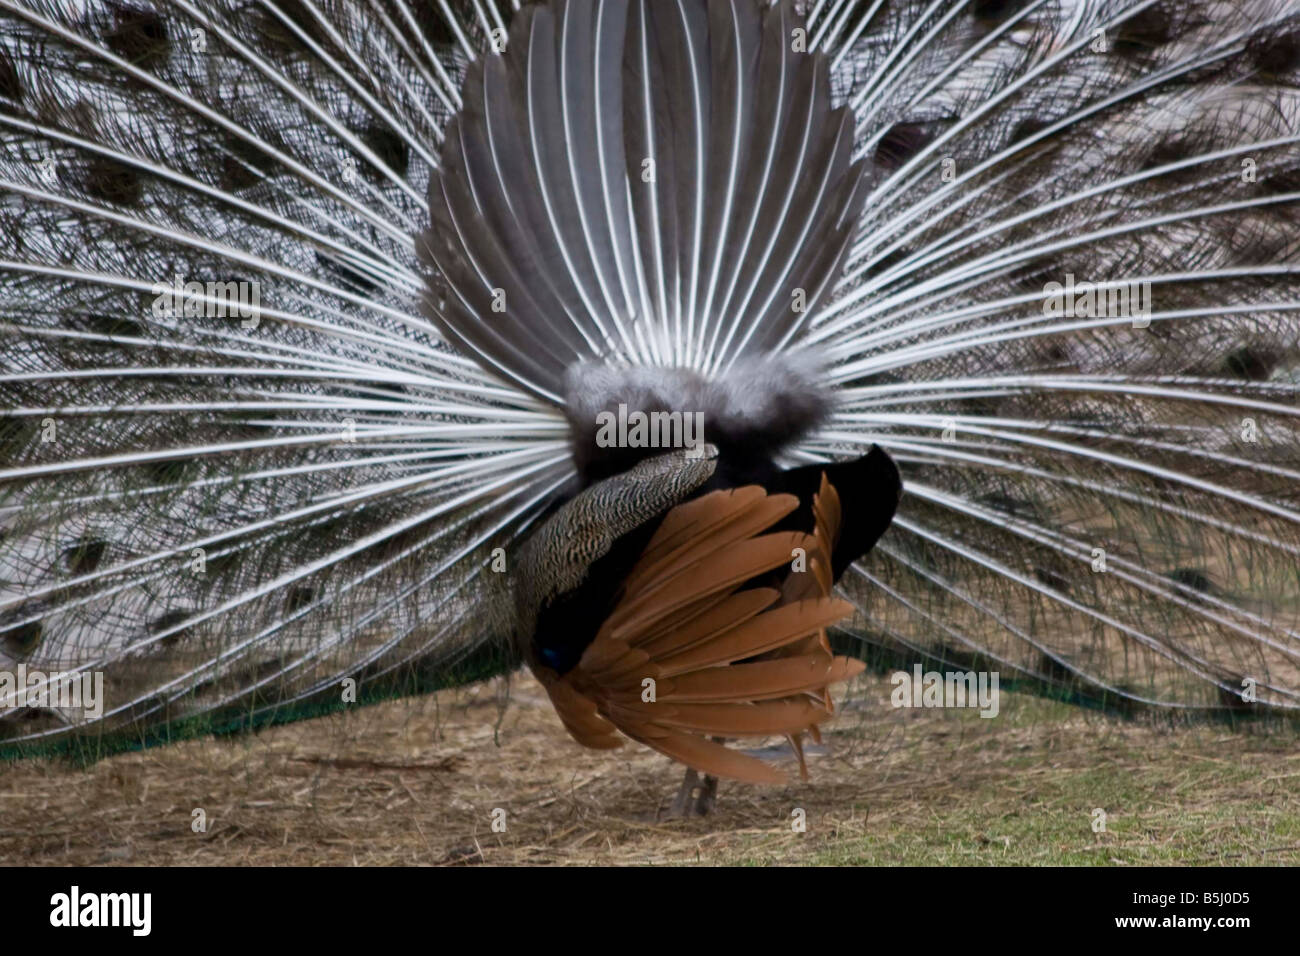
x=684 y=797
x=696 y=797
x=708 y=796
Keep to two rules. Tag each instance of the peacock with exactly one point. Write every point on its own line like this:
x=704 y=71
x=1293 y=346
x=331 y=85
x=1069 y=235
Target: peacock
x=331 y=329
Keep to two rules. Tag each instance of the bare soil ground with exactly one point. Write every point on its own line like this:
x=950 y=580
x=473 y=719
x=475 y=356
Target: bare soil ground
x=418 y=781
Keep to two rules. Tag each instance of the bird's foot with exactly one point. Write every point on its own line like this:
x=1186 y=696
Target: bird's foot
x=695 y=798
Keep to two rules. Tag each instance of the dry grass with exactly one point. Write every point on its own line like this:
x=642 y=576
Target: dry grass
x=416 y=782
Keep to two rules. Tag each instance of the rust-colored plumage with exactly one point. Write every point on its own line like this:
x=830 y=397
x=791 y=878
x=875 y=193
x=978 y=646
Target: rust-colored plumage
x=690 y=651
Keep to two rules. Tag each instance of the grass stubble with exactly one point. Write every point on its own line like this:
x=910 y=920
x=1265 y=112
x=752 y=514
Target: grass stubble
x=417 y=782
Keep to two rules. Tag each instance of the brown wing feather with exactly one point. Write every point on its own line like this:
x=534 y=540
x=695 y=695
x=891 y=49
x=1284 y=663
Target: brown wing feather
x=709 y=538
x=733 y=610
x=724 y=661
x=691 y=519
x=735 y=565
x=766 y=632
x=706 y=756
x=578 y=714
x=744 y=720
x=759 y=680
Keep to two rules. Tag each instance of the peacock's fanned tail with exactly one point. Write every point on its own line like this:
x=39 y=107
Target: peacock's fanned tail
x=319 y=462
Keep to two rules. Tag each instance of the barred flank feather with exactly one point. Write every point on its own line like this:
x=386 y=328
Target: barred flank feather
x=228 y=508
